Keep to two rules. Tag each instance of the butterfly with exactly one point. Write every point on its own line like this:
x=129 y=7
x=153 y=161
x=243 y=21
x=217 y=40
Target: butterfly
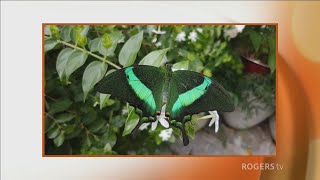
x=156 y=91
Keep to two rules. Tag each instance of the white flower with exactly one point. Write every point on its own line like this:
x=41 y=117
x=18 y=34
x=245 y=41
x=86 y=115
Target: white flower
x=158 y=44
x=165 y=134
x=150 y=28
x=181 y=36
x=231 y=33
x=161 y=119
x=214 y=119
x=154 y=40
x=144 y=126
x=240 y=27
x=234 y=31
x=193 y=36
x=200 y=30
x=158 y=31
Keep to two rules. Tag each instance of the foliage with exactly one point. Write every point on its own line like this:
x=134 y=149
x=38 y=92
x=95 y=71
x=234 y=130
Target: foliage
x=79 y=120
x=259 y=43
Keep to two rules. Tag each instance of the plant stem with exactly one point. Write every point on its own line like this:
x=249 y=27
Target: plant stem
x=55 y=121
x=90 y=53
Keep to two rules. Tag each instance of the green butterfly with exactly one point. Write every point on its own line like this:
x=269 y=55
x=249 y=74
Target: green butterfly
x=156 y=91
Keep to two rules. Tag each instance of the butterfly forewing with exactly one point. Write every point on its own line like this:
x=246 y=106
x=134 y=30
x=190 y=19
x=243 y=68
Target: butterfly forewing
x=140 y=86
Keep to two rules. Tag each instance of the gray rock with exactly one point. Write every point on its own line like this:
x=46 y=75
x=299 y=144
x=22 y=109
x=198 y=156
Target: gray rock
x=240 y=119
x=205 y=143
x=272 y=126
x=253 y=141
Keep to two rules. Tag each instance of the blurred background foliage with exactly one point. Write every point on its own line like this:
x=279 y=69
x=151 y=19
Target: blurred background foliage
x=79 y=120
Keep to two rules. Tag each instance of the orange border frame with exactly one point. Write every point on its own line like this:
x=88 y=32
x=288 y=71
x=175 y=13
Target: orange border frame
x=144 y=24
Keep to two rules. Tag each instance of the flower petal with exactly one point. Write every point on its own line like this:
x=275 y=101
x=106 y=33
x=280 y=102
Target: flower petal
x=164 y=122
x=240 y=27
x=144 y=126
x=205 y=117
x=215 y=117
x=154 y=125
x=216 y=126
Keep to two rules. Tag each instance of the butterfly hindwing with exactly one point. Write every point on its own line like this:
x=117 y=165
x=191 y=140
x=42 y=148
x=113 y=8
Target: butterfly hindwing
x=140 y=86
x=194 y=93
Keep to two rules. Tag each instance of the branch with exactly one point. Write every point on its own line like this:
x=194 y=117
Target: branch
x=90 y=53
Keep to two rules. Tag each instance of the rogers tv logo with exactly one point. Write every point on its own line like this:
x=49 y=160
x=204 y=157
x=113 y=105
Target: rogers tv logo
x=261 y=166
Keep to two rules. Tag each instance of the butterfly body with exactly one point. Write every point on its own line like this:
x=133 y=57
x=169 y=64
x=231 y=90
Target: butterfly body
x=183 y=93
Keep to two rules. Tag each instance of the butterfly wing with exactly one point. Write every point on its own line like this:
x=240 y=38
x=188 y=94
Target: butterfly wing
x=140 y=86
x=192 y=92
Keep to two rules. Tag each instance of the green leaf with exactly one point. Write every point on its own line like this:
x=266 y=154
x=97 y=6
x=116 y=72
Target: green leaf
x=94 y=72
x=195 y=65
x=68 y=129
x=107 y=148
x=183 y=65
x=55 y=33
x=62 y=61
x=82 y=41
x=79 y=31
x=49 y=124
x=218 y=31
x=272 y=53
x=130 y=49
x=64 y=117
x=272 y=61
x=256 y=39
x=53 y=132
x=109 y=137
x=117 y=121
x=89 y=117
x=85 y=30
x=103 y=99
x=155 y=58
x=131 y=122
x=96 y=125
x=60 y=105
x=88 y=140
x=58 y=141
x=49 y=44
x=72 y=131
x=106 y=41
x=191 y=128
x=66 y=33
x=111 y=71
x=94 y=44
x=76 y=59
x=115 y=37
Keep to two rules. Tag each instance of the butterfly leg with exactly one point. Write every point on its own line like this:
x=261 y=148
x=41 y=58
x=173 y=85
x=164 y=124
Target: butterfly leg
x=186 y=119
